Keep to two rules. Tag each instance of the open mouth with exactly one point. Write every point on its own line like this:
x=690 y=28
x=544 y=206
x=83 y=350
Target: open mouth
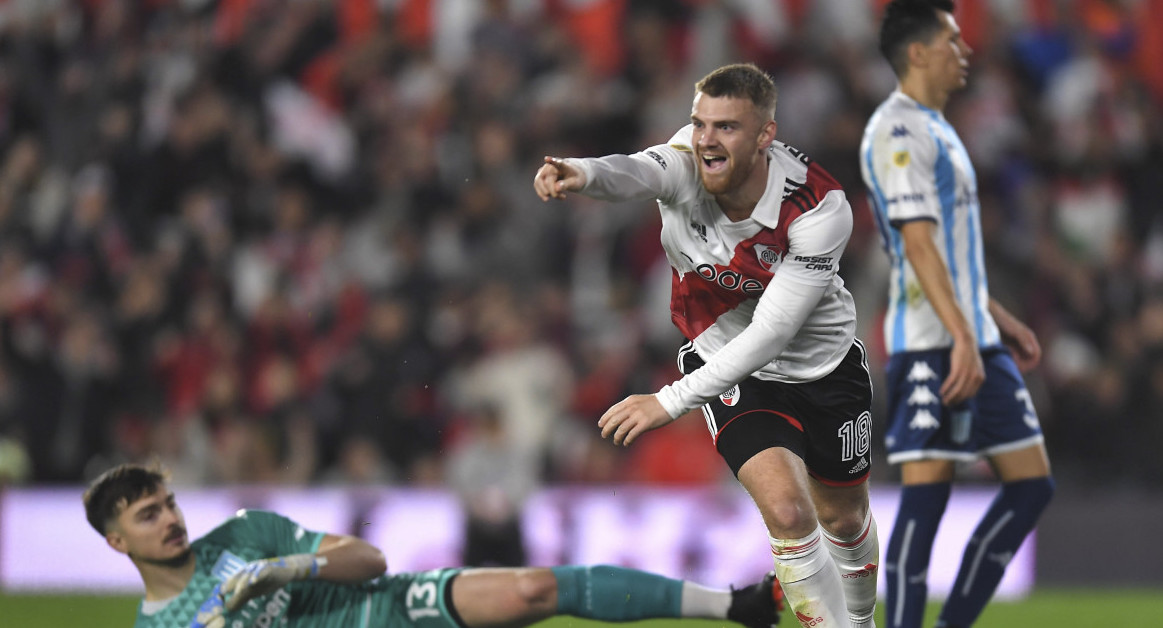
x=175 y=537
x=714 y=163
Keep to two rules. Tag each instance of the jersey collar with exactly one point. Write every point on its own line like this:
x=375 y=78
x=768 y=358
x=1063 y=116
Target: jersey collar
x=900 y=95
x=766 y=210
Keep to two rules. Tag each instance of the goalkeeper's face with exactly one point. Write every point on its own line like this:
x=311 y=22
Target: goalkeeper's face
x=152 y=530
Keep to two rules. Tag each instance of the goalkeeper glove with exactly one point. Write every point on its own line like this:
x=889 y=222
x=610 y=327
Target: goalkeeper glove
x=260 y=577
x=210 y=615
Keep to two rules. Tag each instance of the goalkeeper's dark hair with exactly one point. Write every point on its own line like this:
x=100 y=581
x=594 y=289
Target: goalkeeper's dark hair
x=741 y=80
x=905 y=22
x=117 y=488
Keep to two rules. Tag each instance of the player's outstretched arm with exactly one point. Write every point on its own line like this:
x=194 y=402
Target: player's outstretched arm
x=339 y=559
x=350 y=559
x=262 y=577
x=556 y=177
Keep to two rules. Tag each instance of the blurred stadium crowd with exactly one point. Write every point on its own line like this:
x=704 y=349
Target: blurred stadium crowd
x=295 y=241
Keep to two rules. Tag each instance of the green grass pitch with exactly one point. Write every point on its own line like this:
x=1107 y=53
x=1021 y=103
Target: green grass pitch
x=1078 y=608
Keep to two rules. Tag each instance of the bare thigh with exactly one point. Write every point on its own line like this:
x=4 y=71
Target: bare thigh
x=777 y=481
x=1022 y=464
x=504 y=598
x=926 y=472
x=1011 y=466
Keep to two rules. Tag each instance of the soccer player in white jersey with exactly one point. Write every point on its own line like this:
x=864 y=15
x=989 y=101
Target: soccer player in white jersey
x=955 y=392
x=754 y=231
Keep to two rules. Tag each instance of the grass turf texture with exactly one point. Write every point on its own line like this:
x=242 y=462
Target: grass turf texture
x=1078 y=608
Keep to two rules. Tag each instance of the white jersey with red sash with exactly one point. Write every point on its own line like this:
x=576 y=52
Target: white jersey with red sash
x=759 y=297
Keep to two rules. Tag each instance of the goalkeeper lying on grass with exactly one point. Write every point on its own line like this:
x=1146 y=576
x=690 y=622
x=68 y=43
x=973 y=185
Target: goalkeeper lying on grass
x=261 y=569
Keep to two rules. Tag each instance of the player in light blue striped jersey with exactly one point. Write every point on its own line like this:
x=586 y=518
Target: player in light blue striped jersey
x=955 y=389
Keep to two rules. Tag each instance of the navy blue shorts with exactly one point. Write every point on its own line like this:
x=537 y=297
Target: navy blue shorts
x=827 y=423
x=999 y=418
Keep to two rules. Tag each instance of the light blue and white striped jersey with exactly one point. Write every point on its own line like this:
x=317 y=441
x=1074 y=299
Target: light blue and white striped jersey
x=916 y=168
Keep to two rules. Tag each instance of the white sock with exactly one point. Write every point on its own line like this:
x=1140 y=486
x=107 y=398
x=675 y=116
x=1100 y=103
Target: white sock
x=858 y=560
x=810 y=580
x=699 y=601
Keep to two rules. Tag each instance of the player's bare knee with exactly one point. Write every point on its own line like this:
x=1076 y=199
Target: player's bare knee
x=845 y=525
x=789 y=519
x=844 y=521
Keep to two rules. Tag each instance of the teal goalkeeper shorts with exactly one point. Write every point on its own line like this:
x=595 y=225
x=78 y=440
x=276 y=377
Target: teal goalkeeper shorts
x=427 y=600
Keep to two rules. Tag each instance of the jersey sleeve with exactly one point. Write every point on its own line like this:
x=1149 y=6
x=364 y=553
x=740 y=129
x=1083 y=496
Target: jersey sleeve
x=658 y=172
x=760 y=343
x=275 y=534
x=906 y=155
x=816 y=241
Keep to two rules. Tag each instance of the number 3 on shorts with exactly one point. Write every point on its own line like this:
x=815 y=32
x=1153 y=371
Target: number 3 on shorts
x=421 y=600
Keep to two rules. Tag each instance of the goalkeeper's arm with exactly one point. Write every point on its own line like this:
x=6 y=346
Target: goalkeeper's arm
x=339 y=559
x=350 y=559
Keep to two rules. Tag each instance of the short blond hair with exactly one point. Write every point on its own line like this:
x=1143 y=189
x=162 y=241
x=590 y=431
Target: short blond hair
x=741 y=80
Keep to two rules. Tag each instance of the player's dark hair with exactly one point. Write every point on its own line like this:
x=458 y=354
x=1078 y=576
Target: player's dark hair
x=116 y=489
x=908 y=21
x=741 y=80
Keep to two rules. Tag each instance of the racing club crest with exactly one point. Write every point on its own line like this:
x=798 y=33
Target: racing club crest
x=768 y=256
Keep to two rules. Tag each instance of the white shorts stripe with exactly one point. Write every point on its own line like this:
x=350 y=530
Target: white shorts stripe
x=709 y=417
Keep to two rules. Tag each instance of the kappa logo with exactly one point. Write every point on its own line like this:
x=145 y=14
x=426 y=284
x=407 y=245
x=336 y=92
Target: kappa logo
x=731 y=397
x=921 y=372
x=924 y=420
x=922 y=396
x=768 y=256
x=900 y=130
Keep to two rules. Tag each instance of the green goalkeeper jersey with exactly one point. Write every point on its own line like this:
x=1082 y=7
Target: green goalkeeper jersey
x=255 y=534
